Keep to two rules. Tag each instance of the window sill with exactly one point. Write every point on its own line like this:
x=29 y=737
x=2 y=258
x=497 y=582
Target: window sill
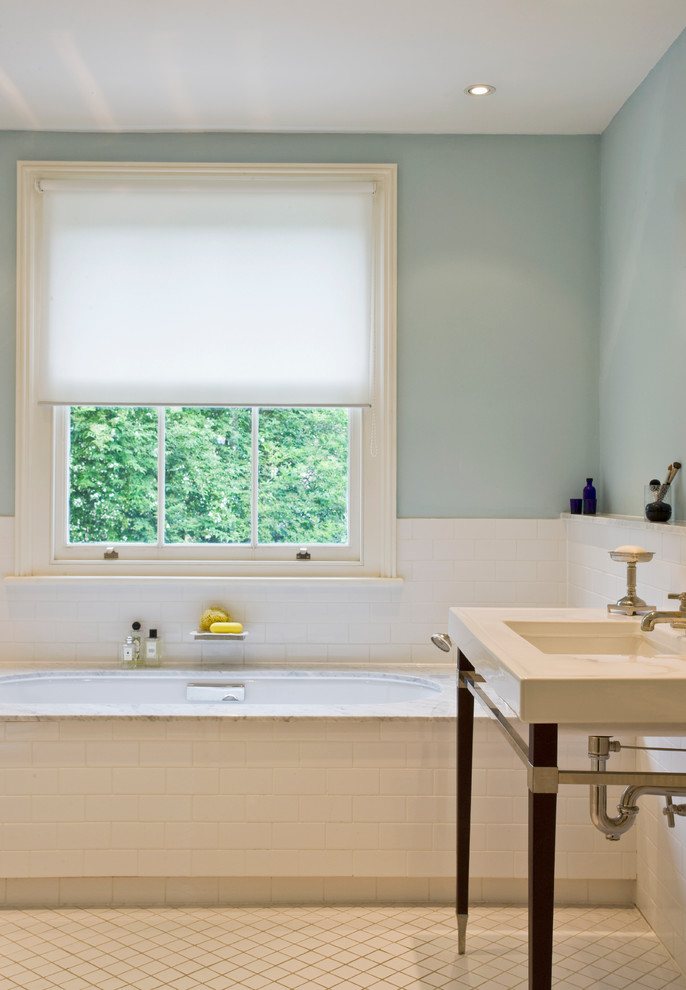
x=45 y=580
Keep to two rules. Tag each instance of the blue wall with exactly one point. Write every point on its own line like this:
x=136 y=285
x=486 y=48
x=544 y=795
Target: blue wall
x=643 y=334
x=498 y=303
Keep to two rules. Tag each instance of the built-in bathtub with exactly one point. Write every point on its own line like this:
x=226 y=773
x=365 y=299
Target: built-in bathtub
x=238 y=692
x=299 y=800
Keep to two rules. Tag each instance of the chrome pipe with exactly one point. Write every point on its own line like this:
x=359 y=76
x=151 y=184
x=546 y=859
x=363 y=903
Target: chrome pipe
x=599 y=749
x=612 y=828
x=627 y=809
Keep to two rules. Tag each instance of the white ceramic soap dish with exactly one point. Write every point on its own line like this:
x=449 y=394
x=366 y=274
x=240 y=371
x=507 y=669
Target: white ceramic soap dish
x=210 y=636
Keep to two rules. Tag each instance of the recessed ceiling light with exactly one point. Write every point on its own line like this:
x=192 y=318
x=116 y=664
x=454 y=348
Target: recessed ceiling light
x=480 y=89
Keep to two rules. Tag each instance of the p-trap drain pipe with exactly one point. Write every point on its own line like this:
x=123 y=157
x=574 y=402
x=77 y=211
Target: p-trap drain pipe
x=599 y=749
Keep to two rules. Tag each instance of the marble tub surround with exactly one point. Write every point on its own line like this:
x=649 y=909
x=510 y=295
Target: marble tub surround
x=53 y=693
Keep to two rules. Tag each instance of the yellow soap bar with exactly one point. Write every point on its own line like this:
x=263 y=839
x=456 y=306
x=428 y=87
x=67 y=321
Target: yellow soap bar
x=226 y=627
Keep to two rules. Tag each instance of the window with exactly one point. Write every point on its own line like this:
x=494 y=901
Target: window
x=260 y=481
x=206 y=370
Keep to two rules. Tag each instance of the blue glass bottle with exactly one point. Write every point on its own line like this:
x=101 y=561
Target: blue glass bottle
x=589 y=498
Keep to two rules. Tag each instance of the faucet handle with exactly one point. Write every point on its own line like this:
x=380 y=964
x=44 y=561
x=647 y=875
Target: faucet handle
x=682 y=600
x=671 y=809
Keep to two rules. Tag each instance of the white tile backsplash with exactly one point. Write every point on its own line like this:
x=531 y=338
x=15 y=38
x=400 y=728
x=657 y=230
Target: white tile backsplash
x=444 y=562
x=377 y=802
x=594 y=580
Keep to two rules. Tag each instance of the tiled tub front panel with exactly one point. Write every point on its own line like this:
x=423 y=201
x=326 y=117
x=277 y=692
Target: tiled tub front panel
x=302 y=810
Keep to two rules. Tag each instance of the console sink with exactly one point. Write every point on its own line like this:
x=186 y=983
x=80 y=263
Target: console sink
x=577 y=666
x=601 y=639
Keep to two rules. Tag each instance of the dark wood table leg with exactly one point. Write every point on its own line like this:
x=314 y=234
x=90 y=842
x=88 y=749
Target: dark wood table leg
x=542 y=809
x=465 y=739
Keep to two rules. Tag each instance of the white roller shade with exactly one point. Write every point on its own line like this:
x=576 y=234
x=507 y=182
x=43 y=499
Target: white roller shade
x=248 y=292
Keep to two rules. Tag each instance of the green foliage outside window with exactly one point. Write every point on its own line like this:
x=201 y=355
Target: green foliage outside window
x=302 y=475
x=113 y=475
x=207 y=477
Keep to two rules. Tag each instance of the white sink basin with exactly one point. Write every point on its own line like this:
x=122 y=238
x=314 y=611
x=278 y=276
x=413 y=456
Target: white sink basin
x=580 y=666
x=592 y=639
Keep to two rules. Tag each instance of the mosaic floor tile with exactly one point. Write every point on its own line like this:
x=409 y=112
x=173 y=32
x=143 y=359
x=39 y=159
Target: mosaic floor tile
x=347 y=948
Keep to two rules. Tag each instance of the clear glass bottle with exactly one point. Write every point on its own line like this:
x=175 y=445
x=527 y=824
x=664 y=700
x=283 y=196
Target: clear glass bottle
x=127 y=653
x=152 y=655
x=137 y=642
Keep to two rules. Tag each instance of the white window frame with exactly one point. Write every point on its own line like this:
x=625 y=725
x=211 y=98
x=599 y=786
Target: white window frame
x=331 y=553
x=42 y=447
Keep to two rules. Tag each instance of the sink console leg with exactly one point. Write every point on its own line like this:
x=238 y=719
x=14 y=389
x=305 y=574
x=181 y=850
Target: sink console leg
x=542 y=815
x=465 y=738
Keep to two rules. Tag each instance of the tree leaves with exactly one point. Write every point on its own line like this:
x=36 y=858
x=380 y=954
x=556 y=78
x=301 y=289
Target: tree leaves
x=301 y=476
x=207 y=478
x=113 y=475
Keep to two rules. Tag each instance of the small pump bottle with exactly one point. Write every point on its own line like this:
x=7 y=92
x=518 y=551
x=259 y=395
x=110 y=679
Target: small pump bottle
x=152 y=656
x=127 y=653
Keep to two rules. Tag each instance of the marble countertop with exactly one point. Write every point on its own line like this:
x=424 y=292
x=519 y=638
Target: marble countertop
x=622 y=677
x=441 y=705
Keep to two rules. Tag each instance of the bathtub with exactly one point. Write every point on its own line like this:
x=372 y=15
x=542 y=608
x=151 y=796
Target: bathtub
x=237 y=693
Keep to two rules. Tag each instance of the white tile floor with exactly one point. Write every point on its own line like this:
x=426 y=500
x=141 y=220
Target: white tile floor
x=342 y=947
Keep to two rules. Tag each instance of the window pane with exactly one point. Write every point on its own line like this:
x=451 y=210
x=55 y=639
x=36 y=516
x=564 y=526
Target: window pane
x=207 y=479
x=112 y=475
x=303 y=476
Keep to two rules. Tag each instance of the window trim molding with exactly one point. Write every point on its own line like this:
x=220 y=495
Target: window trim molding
x=36 y=458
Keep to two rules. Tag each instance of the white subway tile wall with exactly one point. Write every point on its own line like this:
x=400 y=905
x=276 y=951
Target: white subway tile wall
x=443 y=562
x=278 y=811
x=595 y=580
x=347 y=801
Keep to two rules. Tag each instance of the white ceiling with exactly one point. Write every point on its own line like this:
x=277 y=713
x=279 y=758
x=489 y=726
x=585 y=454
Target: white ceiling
x=560 y=66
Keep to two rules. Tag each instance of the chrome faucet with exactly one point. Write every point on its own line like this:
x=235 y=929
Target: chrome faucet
x=677 y=619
